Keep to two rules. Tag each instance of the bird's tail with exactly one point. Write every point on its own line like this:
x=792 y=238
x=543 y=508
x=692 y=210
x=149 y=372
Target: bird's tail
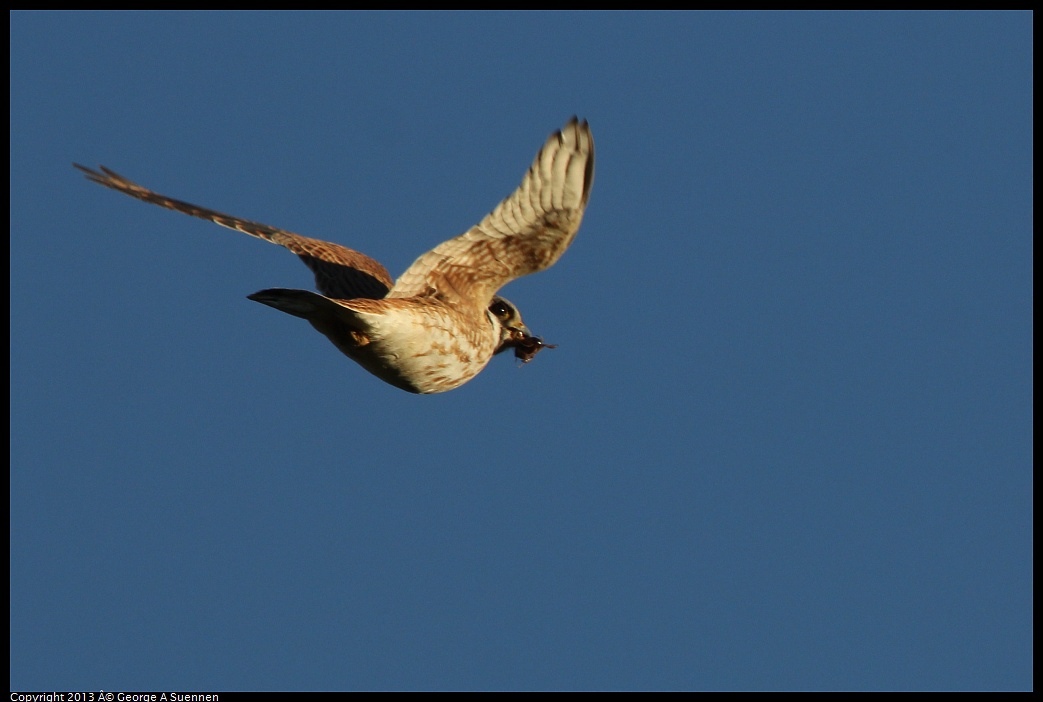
x=299 y=303
x=336 y=322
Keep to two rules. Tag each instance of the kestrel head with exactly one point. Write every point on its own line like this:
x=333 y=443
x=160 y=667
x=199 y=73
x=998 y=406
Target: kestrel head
x=507 y=316
x=513 y=332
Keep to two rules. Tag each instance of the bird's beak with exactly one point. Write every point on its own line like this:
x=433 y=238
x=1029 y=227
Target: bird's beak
x=518 y=334
x=519 y=331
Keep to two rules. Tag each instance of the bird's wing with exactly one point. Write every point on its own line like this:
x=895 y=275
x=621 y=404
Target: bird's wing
x=340 y=272
x=526 y=233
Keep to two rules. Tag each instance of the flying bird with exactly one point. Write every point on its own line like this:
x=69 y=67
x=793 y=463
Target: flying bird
x=441 y=322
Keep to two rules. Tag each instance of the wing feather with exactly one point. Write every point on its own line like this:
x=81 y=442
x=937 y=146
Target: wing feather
x=340 y=272
x=526 y=233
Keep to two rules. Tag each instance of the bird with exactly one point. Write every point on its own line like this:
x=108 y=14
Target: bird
x=441 y=322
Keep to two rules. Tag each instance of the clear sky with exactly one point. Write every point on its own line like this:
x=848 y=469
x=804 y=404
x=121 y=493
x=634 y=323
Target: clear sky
x=785 y=441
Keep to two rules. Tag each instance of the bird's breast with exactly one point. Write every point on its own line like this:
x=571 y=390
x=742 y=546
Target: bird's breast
x=426 y=350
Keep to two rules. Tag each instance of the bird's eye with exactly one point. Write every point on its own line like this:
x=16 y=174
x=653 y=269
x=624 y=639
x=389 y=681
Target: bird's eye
x=500 y=310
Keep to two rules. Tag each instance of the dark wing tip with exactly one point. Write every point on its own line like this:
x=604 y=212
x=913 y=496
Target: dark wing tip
x=582 y=129
x=89 y=173
x=107 y=176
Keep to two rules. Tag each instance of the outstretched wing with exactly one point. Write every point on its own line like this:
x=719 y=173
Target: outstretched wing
x=339 y=271
x=526 y=233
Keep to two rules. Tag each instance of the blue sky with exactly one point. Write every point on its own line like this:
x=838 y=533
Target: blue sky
x=785 y=441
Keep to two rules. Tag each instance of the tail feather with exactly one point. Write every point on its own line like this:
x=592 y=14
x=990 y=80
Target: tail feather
x=307 y=305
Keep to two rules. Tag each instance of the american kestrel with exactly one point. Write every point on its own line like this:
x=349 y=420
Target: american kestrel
x=441 y=322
